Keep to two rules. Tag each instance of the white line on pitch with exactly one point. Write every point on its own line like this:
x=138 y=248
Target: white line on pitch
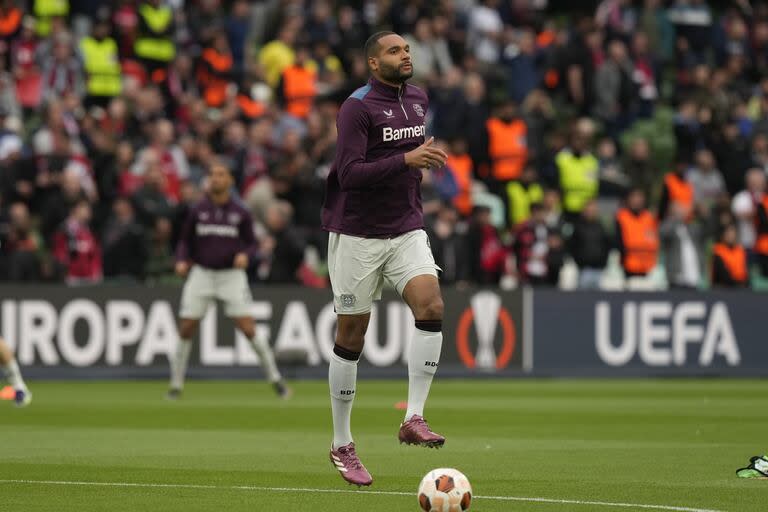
x=349 y=491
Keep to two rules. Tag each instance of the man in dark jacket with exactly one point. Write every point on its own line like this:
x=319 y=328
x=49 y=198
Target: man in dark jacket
x=125 y=247
x=589 y=245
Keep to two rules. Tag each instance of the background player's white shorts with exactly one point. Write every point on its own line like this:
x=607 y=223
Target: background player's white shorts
x=359 y=266
x=205 y=285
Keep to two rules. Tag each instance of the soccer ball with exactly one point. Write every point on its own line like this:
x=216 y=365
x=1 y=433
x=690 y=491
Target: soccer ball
x=445 y=490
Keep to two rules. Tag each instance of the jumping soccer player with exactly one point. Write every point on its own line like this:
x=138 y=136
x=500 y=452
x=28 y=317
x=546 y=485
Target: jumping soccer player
x=373 y=213
x=218 y=240
x=22 y=396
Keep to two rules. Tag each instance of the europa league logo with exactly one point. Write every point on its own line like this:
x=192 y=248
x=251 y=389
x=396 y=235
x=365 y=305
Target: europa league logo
x=486 y=313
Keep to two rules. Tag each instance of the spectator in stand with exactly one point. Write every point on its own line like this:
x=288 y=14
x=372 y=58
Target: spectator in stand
x=589 y=245
x=237 y=27
x=449 y=246
x=706 y=180
x=476 y=114
x=282 y=249
x=539 y=116
x=159 y=268
x=75 y=248
x=151 y=201
x=60 y=202
x=732 y=152
x=615 y=90
x=125 y=248
x=644 y=74
x=730 y=266
x=613 y=181
x=681 y=241
x=487 y=255
x=165 y=153
x=744 y=207
x=538 y=250
x=431 y=53
x=637 y=236
x=485 y=31
x=61 y=70
x=578 y=170
x=520 y=61
x=23 y=246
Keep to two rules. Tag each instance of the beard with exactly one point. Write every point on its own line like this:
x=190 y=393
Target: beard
x=395 y=74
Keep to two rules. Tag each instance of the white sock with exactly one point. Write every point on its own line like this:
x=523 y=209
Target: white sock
x=179 y=363
x=422 y=364
x=342 y=380
x=13 y=374
x=262 y=348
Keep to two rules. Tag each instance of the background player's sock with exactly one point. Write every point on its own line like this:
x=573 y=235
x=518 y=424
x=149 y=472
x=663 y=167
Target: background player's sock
x=342 y=380
x=179 y=363
x=264 y=351
x=422 y=364
x=13 y=374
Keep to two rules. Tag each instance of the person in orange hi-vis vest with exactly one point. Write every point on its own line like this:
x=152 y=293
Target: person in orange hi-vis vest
x=638 y=235
x=460 y=163
x=761 y=244
x=298 y=85
x=730 y=268
x=215 y=71
x=507 y=144
x=676 y=189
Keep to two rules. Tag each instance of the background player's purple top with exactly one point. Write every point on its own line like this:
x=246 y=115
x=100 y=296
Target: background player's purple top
x=213 y=234
x=370 y=191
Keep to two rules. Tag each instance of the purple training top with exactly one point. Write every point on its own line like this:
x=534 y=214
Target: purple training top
x=213 y=234
x=370 y=191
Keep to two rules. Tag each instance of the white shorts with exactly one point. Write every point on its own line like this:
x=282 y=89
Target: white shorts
x=359 y=266
x=205 y=285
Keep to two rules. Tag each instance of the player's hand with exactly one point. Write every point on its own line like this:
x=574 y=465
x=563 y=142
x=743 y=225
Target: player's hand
x=241 y=260
x=426 y=156
x=182 y=267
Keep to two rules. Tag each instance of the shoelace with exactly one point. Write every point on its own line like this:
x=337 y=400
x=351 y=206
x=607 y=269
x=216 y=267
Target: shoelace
x=350 y=458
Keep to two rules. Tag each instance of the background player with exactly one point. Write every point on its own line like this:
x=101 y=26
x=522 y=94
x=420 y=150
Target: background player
x=374 y=215
x=218 y=240
x=11 y=369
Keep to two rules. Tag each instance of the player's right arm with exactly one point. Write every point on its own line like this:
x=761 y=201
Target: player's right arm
x=354 y=124
x=185 y=240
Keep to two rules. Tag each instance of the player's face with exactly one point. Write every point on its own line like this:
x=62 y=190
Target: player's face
x=220 y=179
x=393 y=63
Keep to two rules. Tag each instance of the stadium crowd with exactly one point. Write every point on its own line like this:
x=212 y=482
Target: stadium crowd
x=638 y=129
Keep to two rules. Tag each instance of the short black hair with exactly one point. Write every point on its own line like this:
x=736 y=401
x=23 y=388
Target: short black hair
x=372 y=44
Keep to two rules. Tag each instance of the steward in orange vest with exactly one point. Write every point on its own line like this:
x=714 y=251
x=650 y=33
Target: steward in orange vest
x=761 y=244
x=460 y=164
x=507 y=143
x=676 y=189
x=215 y=71
x=298 y=85
x=729 y=261
x=638 y=236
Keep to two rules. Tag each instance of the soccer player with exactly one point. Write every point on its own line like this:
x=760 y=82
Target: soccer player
x=373 y=213
x=217 y=242
x=8 y=363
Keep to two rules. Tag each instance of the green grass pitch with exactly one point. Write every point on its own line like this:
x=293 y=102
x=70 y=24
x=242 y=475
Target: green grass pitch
x=666 y=443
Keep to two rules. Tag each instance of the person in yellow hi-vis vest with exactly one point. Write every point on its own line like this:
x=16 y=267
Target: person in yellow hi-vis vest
x=45 y=11
x=522 y=194
x=155 y=45
x=102 y=66
x=578 y=170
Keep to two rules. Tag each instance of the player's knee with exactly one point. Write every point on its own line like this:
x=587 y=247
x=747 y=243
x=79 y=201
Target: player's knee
x=431 y=309
x=187 y=329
